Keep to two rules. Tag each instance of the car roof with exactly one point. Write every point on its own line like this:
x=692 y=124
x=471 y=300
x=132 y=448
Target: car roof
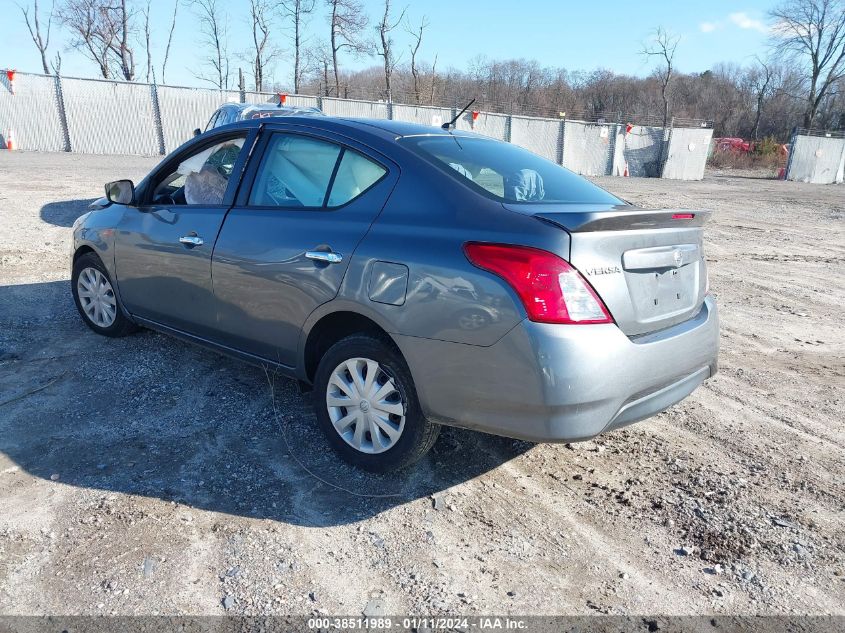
x=383 y=128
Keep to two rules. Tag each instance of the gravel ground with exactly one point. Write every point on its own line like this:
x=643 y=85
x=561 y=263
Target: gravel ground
x=144 y=475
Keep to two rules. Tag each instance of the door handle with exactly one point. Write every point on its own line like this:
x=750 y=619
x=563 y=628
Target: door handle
x=191 y=240
x=325 y=256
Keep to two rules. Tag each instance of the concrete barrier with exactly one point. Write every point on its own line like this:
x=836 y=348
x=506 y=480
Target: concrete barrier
x=816 y=159
x=686 y=156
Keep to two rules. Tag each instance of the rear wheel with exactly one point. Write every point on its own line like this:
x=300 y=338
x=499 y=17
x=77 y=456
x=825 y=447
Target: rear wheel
x=95 y=298
x=367 y=406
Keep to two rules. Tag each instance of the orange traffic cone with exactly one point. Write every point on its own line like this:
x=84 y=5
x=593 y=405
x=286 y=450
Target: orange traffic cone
x=10 y=140
x=626 y=169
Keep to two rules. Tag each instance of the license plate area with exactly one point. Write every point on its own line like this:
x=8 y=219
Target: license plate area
x=663 y=292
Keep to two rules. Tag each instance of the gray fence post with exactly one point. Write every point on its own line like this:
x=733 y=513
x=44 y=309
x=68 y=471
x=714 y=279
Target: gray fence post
x=664 y=148
x=60 y=104
x=390 y=110
x=792 y=138
x=561 y=140
x=157 y=119
x=508 y=127
x=241 y=85
x=612 y=147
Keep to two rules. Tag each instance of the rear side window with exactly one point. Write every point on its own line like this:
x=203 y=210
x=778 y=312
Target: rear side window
x=506 y=172
x=298 y=171
x=355 y=174
x=295 y=172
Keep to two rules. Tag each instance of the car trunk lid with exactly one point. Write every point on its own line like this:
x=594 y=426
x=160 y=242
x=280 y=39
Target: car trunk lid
x=646 y=265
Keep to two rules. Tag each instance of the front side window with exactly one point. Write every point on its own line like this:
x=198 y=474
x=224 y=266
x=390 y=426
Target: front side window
x=202 y=178
x=298 y=171
x=507 y=172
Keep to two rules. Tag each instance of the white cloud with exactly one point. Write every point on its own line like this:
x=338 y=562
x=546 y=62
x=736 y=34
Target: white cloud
x=744 y=21
x=709 y=27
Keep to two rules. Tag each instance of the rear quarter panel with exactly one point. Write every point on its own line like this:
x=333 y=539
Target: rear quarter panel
x=424 y=226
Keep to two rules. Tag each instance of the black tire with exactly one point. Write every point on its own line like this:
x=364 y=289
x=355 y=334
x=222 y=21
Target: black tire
x=121 y=326
x=418 y=435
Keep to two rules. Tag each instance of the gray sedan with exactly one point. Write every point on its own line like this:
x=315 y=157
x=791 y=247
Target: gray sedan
x=411 y=277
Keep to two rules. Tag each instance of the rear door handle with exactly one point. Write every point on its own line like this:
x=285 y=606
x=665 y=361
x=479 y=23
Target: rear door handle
x=325 y=256
x=191 y=240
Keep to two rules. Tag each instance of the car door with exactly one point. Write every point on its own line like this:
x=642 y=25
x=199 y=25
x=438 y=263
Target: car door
x=163 y=246
x=307 y=200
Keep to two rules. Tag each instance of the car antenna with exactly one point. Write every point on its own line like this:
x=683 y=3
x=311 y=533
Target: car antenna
x=446 y=126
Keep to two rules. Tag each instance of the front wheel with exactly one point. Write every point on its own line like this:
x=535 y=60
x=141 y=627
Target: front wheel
x=95 y=298
x=367 y=406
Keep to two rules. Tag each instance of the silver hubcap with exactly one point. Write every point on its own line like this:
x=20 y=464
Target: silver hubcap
x=365 y=406
x=96 y=297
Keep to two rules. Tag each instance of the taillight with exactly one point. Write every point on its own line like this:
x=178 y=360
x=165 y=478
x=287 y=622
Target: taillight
x=549 y=288
x=683 y=216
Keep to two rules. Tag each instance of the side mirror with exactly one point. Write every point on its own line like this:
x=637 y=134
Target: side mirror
x=197 y=132
x=120 y=192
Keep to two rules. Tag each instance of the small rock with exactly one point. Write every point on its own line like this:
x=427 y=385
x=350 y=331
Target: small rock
x=312 y=596
x=799 y=549
x=228 y=602
x=577 y=477
x=685 y=551
x=375 y=608
x=785 y=523
x=748 y=575
x=54 y=477
x=437 y=502
x=623 y=576
x=512 y=594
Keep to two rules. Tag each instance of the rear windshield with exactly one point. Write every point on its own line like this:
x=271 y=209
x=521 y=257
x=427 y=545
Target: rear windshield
x=507 y=172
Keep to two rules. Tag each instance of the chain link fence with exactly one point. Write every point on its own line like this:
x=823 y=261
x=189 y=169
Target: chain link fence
x=47 y=113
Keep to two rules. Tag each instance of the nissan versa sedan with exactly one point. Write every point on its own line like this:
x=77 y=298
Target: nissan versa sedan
x=411 y=277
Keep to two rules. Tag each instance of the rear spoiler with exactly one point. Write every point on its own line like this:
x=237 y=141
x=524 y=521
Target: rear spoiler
x=624 y=220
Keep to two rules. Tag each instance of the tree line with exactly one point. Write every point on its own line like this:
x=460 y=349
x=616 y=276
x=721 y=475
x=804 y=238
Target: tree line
x=798 y=80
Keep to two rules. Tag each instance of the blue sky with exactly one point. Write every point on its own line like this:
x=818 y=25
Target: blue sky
x=574 y=35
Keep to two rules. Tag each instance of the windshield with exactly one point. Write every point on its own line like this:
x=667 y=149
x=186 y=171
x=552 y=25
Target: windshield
x=507 y=172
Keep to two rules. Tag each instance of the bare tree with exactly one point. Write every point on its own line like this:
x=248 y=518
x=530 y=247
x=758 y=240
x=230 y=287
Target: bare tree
x=663 y=46
x=417 y=34
x=347 y=20
x=297 y=12
x=813 y=33
x=124 y=51
x=146 y=12
x=761 y=78
x=433 y=81
x=384 y=46
x=93 y=31
x=169 y=40
x=41 y=40
x=212 y=27
x=56 y=64
x=264 y=51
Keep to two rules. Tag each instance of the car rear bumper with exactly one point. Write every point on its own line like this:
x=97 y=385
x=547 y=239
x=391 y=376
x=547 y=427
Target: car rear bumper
x=562 y=383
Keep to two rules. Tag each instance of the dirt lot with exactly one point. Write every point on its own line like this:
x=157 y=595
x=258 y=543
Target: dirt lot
x=144 y=475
